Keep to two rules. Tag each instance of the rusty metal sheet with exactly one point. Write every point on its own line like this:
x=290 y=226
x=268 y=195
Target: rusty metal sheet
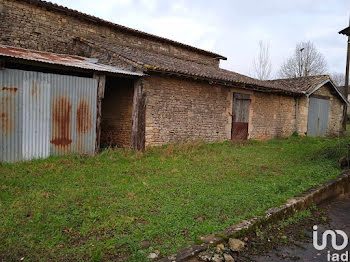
x=62 y=59
x=73 y=114
x=239 y=131
x=44 y=114
x=10 y=116
x=35 y=92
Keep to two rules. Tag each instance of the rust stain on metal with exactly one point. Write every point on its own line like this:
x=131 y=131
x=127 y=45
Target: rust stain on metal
x=5 y=123
x=84 y=117
x=9 y=89
x=60 y=59
x=35 y=90
x=61 y=122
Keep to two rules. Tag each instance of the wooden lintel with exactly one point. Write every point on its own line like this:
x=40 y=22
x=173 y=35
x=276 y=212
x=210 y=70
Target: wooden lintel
x=138 y=117
x=101 y=82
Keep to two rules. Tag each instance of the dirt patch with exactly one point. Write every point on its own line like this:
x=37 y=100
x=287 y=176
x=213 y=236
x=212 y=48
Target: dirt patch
x=269 y=242
x=272 y=237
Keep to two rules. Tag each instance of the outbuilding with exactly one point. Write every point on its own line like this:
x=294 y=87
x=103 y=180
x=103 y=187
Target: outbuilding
x=142 y=90
x=319 y=110
x=51 y=103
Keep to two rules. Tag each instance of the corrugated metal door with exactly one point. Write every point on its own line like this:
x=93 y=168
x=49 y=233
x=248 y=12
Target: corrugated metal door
x=318 y=117
x=10 y=116
x=43 y=114
x=36 y=92
x=73 y=101
x=240 y=116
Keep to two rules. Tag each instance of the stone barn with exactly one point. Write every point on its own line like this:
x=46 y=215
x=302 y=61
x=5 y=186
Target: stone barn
x=183 y=94
x=319 y=110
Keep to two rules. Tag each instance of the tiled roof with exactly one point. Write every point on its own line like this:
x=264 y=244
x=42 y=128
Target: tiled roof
x=156 y=62
x=96 y=20
x=300 y=84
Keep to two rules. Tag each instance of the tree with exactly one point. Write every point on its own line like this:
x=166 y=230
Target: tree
x=306 y=61
x=262 y=63
x=338 y=78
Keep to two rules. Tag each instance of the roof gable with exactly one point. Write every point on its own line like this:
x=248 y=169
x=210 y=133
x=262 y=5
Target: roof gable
x=308 y=85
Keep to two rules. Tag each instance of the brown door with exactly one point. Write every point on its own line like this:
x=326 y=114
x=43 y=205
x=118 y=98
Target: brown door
x=240 y=116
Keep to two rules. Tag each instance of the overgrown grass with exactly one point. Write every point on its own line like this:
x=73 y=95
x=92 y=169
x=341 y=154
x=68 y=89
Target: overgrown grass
x=297 y=217
x=106 y=207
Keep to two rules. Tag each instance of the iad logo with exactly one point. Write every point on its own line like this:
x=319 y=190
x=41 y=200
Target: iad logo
x=333 y=236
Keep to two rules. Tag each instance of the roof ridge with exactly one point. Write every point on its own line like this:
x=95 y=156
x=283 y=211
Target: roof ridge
x=199 y=71
x=296 y=78
x=96 y=19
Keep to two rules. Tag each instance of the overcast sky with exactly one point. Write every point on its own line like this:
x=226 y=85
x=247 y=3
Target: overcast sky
x=233 y=28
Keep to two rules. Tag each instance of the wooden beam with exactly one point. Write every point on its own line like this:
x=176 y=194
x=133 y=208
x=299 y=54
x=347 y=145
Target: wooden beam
x=2 y=63
x=346 y=93
x=101 y=82
x=138 y=117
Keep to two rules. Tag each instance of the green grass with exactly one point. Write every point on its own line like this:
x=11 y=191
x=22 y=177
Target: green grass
x=297 y=217
x=104 y=207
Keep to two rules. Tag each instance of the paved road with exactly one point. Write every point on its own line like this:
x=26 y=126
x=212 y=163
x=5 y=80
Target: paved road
x=339 y=214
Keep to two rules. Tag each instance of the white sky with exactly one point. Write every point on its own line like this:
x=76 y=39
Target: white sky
x=233 y=28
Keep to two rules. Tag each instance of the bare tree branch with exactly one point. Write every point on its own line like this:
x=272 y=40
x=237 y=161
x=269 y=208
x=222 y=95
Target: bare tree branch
x=305 y=61
x=338 y=78
x=262 y=64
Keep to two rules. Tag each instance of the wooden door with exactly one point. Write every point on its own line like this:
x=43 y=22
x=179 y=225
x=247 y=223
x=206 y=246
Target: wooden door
x=240 y=116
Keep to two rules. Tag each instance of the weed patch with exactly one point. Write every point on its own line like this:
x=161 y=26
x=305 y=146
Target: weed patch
x=108 y=206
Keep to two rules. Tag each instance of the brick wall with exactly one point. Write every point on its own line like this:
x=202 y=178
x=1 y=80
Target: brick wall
x=29 y=26
x=117 y=113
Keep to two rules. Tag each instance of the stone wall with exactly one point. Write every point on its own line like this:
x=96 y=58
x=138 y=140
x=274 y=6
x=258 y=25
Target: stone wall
x=303 y=112
x=185 y=110
x=117 y=113
x=29 y=26
x=335 y=111
x=272 y=116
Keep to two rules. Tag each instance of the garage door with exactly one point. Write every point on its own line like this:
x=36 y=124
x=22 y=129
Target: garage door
x=318 y=117
x=45 y=114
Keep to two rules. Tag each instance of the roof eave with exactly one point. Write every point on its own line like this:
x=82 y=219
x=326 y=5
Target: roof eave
x=256 y=88
x=308 y=94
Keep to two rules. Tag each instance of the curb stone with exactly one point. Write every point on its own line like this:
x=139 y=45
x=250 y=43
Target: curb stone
x=328 y=190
